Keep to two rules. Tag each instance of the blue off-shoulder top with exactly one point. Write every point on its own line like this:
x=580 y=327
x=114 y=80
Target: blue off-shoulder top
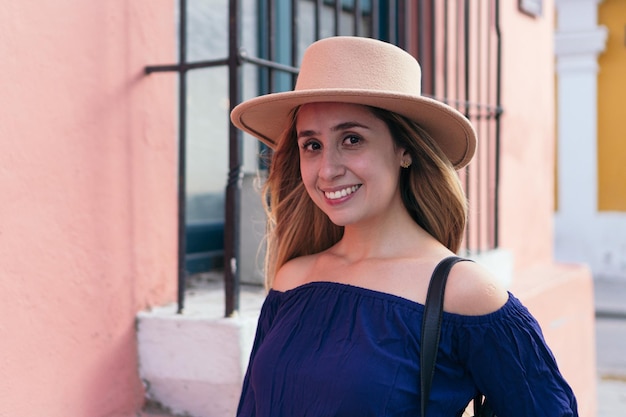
x=329 y=349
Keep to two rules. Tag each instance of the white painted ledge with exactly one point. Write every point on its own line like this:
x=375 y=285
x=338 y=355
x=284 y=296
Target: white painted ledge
x=193 y=364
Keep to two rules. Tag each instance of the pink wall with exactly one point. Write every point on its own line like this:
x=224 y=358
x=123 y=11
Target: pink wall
x=87 y=200
x=560 y=296
x=528 y=134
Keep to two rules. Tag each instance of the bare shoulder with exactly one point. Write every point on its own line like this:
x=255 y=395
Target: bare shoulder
x=471 y=290
x=293 y=273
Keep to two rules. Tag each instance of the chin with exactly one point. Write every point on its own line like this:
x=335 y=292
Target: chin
x=340 y=221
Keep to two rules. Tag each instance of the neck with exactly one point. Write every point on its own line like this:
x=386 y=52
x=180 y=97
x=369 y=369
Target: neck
x=395 y=235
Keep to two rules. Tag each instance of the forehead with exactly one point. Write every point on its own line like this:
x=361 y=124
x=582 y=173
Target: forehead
x=331 y=114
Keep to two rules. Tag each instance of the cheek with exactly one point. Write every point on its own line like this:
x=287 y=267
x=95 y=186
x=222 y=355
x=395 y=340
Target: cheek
x=308 y=175
x=377 y=165
x=387 y=172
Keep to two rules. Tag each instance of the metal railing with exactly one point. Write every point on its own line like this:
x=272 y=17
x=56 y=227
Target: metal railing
x=456 y=41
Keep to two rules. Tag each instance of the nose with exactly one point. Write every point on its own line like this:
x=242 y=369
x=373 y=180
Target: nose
x=331 y=164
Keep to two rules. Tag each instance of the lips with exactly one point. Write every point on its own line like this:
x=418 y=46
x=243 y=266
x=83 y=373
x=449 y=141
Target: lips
x=335 y=195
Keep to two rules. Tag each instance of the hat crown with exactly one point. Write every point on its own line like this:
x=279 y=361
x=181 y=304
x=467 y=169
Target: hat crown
x=355 y=63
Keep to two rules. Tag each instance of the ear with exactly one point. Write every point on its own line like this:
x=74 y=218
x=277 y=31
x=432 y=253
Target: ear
x=405 y=159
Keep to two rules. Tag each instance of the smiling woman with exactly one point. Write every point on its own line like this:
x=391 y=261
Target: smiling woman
x=363 y=204
x=349 y=163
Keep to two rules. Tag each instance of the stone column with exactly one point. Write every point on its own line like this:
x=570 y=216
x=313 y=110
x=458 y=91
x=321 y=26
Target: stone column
x=578 y=42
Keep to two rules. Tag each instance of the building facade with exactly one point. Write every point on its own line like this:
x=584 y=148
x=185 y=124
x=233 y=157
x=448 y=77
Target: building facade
x=590 y=217
x=90 y=168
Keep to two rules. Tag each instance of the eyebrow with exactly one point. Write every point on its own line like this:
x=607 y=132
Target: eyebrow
x=340 y=126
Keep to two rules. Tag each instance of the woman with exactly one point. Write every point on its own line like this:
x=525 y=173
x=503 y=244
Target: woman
x=363 y=203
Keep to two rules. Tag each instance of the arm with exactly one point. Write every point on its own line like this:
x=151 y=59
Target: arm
x=511 y=364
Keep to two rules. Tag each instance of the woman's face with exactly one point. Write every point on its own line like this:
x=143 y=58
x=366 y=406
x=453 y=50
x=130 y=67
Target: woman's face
x=349 y=163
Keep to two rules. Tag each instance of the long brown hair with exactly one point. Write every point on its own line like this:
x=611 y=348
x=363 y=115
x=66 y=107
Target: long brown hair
x=430 y=189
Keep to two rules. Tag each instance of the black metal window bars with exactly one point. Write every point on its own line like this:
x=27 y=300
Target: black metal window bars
x=456 y=41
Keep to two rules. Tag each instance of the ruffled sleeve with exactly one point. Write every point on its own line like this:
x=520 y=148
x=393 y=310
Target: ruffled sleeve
x=268 y=312
x=507 y=356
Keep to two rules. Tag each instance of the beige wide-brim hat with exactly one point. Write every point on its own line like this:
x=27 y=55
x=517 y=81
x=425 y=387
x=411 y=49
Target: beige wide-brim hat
x=364 y=71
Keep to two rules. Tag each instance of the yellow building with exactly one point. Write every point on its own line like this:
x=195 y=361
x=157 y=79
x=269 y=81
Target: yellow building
x=612 y=109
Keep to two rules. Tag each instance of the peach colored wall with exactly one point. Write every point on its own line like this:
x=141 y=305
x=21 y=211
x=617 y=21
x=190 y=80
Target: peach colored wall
x=528 y=138
x=87 y=200
x=560 y=296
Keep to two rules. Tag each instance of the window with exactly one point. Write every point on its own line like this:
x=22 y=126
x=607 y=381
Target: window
x=457 y=43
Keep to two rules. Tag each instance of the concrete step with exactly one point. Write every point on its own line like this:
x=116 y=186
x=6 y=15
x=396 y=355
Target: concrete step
x=193 y=363
x=154 y=409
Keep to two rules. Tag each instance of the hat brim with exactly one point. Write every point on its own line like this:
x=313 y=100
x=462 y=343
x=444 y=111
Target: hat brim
x=266 y=117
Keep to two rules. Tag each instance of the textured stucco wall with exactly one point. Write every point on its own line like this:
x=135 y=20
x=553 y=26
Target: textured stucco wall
x=87 y=200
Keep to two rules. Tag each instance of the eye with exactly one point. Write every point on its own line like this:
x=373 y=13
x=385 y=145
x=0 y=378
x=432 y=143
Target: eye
x=352 y=140
x=310 y=146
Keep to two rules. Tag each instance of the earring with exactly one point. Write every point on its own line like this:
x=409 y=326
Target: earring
x=406 y=163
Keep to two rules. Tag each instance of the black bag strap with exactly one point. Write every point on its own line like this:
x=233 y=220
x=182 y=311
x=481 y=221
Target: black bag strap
x=431 y=325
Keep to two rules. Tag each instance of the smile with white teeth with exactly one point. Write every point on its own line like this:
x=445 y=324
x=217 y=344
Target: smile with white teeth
x=333 y=195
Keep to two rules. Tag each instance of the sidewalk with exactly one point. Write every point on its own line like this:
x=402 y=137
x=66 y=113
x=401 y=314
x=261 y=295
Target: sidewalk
x=610 y=299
